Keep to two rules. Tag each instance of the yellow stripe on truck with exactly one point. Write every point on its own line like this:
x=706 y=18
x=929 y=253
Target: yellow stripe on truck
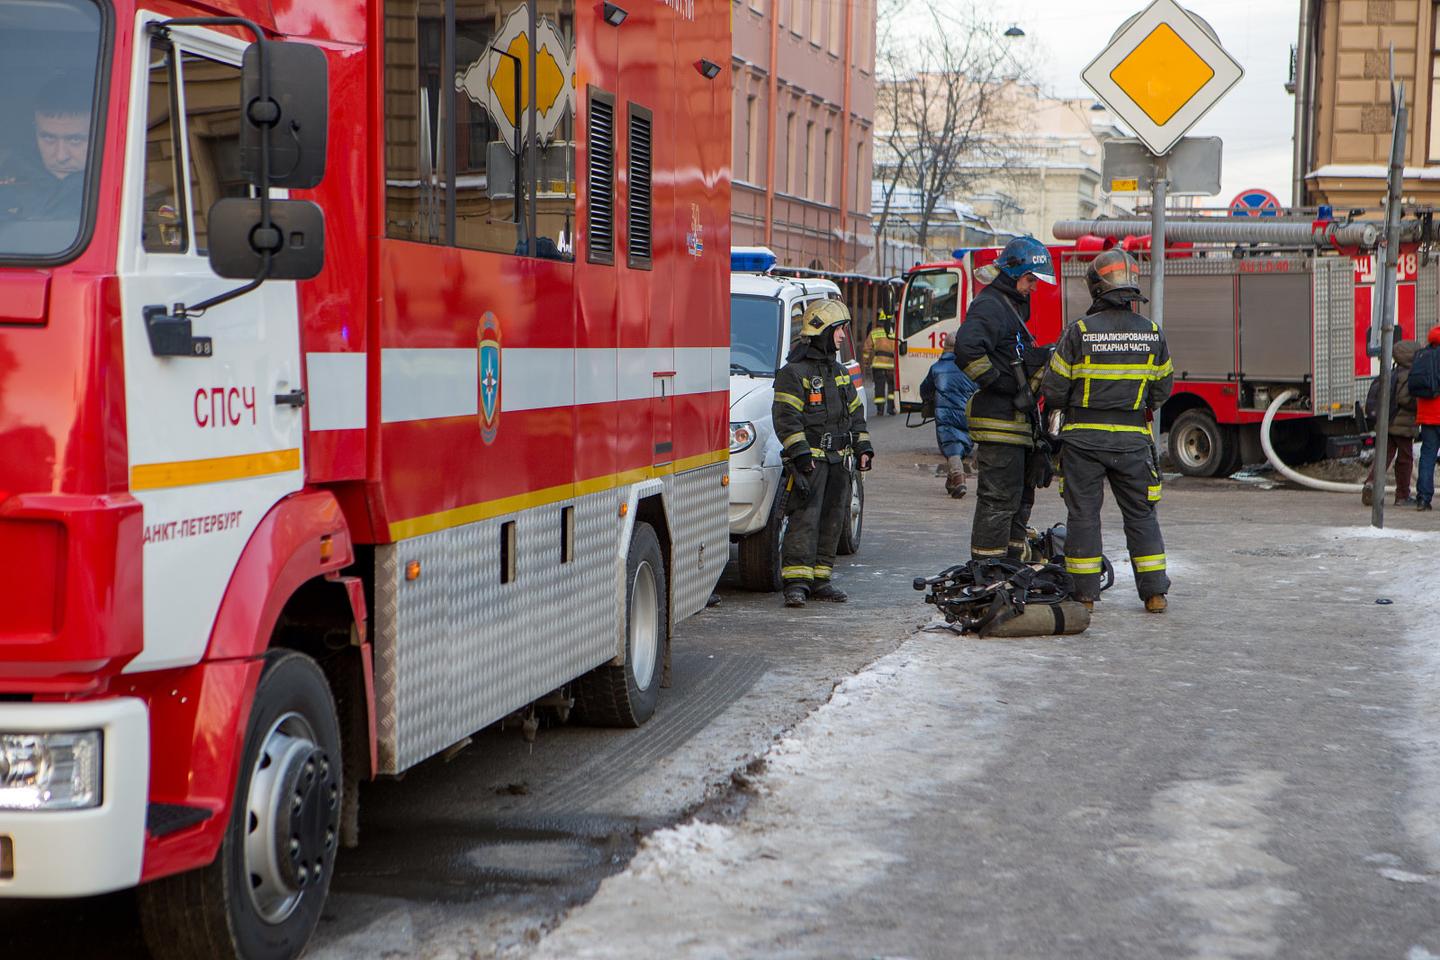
x=189 y=473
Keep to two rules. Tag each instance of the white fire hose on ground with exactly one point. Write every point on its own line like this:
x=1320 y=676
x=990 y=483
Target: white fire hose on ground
x=1330 y=486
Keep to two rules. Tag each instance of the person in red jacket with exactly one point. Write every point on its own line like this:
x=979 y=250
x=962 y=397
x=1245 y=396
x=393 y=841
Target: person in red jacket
x=1427 y=414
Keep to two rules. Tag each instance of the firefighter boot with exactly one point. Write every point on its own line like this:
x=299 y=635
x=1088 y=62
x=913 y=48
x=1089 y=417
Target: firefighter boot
x=830 y=592
x=955 y=484
x=795 y=596
x=1155 y=604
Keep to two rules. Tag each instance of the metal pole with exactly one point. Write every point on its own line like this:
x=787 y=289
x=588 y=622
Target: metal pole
x=1157 y=259
x=1385 y=282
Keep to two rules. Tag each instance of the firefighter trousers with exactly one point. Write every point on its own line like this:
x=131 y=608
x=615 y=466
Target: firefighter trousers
x=884 y=380
x=1135 y=481
x=1003 y=501
x=808 y=554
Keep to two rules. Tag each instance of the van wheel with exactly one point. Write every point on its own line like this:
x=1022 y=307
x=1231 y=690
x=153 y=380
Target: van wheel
x=625 y=695
x=261 y=897
x=854 y=516
x=760 y=551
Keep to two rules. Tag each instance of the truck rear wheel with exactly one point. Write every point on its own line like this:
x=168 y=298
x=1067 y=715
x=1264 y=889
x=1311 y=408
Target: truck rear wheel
x=261 y=897
x=626 y=695
x=760 y=551
x=1200 y=447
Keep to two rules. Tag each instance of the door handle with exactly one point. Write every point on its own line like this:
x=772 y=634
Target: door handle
x=295 y=398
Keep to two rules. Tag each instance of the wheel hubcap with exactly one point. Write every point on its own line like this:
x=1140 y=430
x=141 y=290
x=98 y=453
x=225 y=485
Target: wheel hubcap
x=292 y=818
x=644 y=626
x=854 y=508
x=1195 y=447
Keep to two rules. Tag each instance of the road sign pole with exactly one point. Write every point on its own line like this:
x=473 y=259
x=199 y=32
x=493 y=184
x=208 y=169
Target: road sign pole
x=1385 y=280
x=1157 y=257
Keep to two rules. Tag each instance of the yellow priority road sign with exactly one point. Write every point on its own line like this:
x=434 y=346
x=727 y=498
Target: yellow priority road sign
x=1163 y=70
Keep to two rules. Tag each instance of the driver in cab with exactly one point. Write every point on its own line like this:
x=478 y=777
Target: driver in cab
x=50 y=184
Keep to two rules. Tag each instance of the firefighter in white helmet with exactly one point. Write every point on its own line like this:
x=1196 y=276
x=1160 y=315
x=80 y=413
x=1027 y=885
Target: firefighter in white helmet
x=820 y=419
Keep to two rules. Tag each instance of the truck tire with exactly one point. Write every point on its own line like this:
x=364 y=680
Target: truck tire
x=262 y=896
x=1200 y=447
x=625 y=695
x=760 y=551
x=854 y=517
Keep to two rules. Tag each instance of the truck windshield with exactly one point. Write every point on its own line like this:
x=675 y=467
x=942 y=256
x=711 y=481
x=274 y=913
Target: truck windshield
x=929 y=299
x=754 y=335
x=49 y=54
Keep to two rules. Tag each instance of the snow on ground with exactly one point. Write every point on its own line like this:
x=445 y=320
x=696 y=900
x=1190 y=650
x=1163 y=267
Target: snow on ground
x=831 y=793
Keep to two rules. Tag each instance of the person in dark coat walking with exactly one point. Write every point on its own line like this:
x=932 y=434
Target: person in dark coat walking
x=1403 y=428
x=947 y=391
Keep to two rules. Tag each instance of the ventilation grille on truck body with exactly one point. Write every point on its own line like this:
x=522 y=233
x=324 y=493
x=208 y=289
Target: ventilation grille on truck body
x=640 y=208
x=600 y=185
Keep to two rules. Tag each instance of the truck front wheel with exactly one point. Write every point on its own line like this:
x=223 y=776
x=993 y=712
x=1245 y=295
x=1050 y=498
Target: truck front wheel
x=261 y=897
x=1200 y=447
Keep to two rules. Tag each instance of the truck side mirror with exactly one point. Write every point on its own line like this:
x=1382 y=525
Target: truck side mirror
x=239 y=241
x=296 y=112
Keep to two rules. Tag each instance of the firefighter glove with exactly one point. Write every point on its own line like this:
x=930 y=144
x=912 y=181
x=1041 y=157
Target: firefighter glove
x=803 y=464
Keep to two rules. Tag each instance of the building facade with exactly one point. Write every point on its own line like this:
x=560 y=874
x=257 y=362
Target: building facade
x=1052 y=150
x=804 y=89
x=1341 y=82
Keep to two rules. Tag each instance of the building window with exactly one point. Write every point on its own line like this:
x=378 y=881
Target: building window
x=825 y=182
x=837 y=19
x=808 y=161
x=816 y=23
x=1434 y=145
x=473 y=161
x=788 y=175
x=749 y=159
x=861 y=177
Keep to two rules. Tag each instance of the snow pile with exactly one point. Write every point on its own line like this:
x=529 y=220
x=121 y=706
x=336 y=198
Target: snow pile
x=686 y=853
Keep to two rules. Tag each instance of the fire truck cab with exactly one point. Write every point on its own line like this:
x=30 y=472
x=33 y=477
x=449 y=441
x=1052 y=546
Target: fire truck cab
x=355 y=393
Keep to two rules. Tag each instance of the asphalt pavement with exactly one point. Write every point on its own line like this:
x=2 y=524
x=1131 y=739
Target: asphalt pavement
x=1252 y=774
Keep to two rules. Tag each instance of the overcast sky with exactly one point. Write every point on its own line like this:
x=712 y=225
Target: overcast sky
x=1255 y=119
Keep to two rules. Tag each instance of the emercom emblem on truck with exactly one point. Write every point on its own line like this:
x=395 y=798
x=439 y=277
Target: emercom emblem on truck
x=489 y=377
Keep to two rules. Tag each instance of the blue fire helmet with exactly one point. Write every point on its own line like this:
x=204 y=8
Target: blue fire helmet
x=1026 y=255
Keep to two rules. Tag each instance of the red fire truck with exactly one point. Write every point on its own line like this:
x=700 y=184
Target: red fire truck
x=359 y=386
x=1289 y=308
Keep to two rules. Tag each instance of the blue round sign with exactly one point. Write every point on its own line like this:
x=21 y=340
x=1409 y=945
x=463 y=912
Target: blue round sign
x=1255 y=203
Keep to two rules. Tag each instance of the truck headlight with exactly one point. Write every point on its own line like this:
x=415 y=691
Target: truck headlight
x=50 y=771
x=742 y=436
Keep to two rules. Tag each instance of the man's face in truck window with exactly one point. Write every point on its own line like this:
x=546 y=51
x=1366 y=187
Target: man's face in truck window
x=63 y=142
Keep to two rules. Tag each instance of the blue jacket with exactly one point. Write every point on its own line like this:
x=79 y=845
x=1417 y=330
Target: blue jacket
x=951 y=390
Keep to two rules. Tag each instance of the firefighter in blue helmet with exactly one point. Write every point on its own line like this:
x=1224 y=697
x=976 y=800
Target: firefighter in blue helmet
x=820 y=418
x=1110 y=370
x=995 y=349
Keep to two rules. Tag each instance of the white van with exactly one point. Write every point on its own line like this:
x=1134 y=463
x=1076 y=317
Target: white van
x=764 y=322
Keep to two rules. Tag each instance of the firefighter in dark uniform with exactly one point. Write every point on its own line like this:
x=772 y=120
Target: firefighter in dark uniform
x=994 y=349
x=1110 y=370
x=820 y=420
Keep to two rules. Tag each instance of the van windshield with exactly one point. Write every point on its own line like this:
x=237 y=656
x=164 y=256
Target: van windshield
x=49 y=53
x=754 y=335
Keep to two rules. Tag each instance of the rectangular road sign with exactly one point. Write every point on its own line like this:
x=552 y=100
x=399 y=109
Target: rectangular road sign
x=1192 y=167
x=1163 y=71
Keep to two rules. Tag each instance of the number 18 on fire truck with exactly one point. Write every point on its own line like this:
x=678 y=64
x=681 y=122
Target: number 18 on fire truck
x=301 y=490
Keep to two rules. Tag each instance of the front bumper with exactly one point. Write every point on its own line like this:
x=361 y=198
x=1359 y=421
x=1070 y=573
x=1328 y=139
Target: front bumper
x=76 y=853
x=752 y=491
